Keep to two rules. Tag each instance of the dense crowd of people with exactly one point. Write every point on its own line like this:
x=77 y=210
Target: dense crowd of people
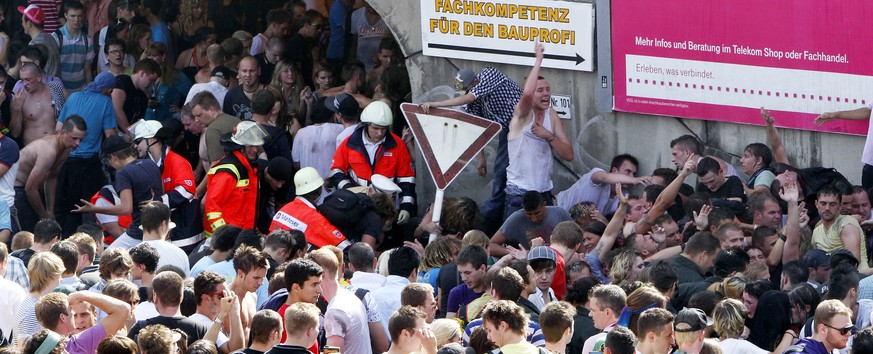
x=205 y=176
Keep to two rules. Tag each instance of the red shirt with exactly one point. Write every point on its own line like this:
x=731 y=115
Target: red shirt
x=559 y=283
x=313 y=348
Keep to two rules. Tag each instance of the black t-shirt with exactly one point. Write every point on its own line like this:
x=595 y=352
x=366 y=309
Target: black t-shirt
x=267 y=68
x=270 y=200
x=297 y=50
x=369 y=224
x=237 y=104
x=288 y=349
x=447 y=280
x=194 y=330
x=143 y=178
x=248 y=351
x=24 y=255
x=136 y=103
x=732 y=188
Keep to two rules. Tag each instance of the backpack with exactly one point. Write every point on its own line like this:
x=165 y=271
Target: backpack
x=59 y=36
x=344 y=208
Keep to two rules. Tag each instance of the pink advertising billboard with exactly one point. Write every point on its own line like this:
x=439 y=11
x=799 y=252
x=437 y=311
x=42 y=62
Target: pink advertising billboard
x=723 y=60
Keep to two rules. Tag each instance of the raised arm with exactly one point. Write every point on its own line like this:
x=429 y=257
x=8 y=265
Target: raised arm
x=614 y=227
x=667 y=196
x=117 y=311
x=530 y=85
x=779 y=153
x=790 y=194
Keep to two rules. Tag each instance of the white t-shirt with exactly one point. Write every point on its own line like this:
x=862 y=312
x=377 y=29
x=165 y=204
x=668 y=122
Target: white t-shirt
x=10 y=296
x=217 y=90
x=315 y=145
x=171 y=254
x=867 y=156
x=347 y=318
x=739 y=346
x=199 y=318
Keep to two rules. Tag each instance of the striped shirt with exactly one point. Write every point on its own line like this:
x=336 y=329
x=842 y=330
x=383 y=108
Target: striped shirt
x=50 y=8
x=74 y=53
x=25 y=321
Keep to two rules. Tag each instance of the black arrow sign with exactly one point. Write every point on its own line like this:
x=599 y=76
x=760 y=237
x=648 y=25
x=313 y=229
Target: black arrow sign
x=578 y=58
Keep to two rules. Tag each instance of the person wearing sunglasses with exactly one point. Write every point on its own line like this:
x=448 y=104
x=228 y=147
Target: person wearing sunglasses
x=833 y=327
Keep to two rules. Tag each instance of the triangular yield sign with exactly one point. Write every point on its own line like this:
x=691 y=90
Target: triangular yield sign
x=448 y=139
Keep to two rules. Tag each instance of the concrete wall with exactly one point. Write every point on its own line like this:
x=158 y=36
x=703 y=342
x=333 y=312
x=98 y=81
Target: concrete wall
x=599 y=136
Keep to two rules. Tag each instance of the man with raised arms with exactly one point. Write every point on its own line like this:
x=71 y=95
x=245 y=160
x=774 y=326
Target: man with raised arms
x=33 y=115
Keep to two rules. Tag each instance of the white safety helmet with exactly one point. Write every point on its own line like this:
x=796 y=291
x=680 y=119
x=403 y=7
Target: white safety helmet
x=307 y=180
x=146 y=129
x=248 y=133
x=377 y=113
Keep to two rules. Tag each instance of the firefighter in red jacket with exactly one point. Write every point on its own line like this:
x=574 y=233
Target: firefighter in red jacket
x=300 y=214
x=232 y=187
x=373 y=149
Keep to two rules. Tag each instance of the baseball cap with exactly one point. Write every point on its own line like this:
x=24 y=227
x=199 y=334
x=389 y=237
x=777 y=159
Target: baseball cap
x=221 y=72
x=542 y=252
x=33 y=13
x=465 y=78
x=815 y=258
x=113 y=144
x=343 y=104
x=692 y=319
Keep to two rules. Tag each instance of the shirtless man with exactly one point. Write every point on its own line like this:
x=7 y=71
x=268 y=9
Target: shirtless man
x=33 y=115
x=38 y=169
x=251 y=268
x=534 y=131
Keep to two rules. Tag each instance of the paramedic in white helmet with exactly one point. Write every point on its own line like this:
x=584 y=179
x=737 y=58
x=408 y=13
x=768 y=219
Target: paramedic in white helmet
x=373 y=149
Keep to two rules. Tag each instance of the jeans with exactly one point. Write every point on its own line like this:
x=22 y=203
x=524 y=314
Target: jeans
x=492 y=209
x=514 y=200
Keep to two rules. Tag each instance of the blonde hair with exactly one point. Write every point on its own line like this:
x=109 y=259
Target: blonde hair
x=686 y=338
x=439 y=253
x=327 y=260
x=22 y=240
x=732 y=287
x=729 y=317
x=186 y=9
x=622 y=266
x=444 y=330
x=382 y=262
x=155 y=339
x=300 y=317
x=44 y=269
x=291 y=99
x=475 y=238
x=242 y=36
x=756 y=271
